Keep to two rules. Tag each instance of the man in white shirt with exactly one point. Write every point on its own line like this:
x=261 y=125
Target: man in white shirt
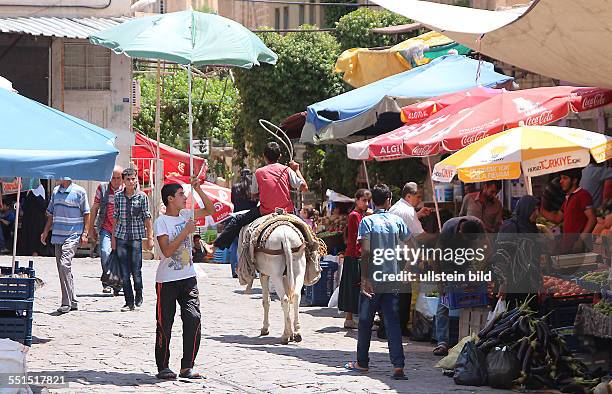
x=405 y=208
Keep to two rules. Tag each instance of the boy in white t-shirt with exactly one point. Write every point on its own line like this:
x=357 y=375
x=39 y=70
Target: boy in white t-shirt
x=176 y=279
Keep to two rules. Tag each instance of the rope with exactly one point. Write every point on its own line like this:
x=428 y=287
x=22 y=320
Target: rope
x=288 y=145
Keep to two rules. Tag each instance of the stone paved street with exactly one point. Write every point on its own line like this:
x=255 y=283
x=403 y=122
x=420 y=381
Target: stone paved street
x=103 y=350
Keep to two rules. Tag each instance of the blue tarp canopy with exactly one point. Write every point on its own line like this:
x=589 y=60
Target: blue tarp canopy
x=375 y=108
x=42 y=142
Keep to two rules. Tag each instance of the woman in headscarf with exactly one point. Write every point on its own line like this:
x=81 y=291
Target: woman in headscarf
x=32 y=223
x=516 y=261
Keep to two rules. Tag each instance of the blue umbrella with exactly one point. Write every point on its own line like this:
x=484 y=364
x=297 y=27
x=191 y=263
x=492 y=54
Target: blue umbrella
x=374 y=108
x=42 y=142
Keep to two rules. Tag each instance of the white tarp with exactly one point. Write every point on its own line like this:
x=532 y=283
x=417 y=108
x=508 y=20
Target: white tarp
x=567 y=40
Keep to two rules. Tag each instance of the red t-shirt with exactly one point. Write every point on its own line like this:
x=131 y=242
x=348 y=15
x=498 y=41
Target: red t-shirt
x=107 y=224
x=574 y=218
x=353 y=248
x=274 y=188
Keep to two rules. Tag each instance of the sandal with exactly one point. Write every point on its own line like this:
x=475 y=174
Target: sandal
x=399 y=375
x=441 y=350
x=166 y=374
x=190 y=374
x=354 y=366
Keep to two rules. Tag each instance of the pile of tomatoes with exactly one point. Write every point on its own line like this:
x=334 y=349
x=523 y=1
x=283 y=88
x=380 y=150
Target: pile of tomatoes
x=560 y=287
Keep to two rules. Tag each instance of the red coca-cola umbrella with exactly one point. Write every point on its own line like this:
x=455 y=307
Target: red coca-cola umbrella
x=220 y=197
x=474 y=118
x=416 y=113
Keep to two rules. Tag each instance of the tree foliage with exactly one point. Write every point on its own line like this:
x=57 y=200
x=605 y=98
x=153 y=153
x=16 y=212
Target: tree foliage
x=354 y=30
x=303 y=75
x=334 y=13
x=214 y=100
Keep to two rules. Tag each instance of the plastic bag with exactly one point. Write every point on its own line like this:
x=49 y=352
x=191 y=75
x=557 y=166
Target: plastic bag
x=500 y=308
x=422 y=326
x=423 y=306
x=502 y=368
x=333 y=300
x=111 y=275
x=470 y=369
x=13 y=362
x=450 y=360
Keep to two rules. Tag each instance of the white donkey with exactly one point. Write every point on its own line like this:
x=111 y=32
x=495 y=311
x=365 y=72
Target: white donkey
x=283 y=260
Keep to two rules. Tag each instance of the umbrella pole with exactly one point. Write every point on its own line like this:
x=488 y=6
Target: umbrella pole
x=433 y=192
x=16 y=225
x=158 y=108
x=365 y=170
x=528 y=186
x=189 y=76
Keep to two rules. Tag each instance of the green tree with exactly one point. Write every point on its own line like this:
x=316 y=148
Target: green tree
x=334 y=13
x=354 y=30
x=303 y=75
x=214 y=100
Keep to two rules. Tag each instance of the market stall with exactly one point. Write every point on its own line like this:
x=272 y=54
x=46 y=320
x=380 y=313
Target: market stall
x=566 y=340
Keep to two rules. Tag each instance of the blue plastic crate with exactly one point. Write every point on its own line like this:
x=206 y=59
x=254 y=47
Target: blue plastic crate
x=16 y=308
x=466 y=296
x=17 y=288
x=18 y=329
x=568 y=334
x=320 y=293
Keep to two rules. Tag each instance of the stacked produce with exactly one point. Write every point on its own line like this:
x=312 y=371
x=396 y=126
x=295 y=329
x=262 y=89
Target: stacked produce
x=599 y=277
x=560 y=287
x=604 y=307
x=544 y=358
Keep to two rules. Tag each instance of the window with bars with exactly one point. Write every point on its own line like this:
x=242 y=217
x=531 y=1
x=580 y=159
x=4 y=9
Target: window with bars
x=312 y=11
x=86 y=67
x=277 y=18
x=285 y=18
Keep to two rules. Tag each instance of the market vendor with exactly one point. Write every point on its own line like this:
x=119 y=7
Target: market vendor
x=577 y=213
x=485 y=206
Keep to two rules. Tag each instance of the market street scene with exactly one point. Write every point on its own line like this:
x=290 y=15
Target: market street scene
x=286 y=196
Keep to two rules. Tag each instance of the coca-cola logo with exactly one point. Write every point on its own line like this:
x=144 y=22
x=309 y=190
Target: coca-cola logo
x=471 y=138
x=423 y=150
x=540 y=119
x=594 y=101
x=218 y=206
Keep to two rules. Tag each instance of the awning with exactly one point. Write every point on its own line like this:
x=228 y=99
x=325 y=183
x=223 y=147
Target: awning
x=362 y=66
x=375 y=108
x=562 y=39
x=58 y=27
x=176 y=162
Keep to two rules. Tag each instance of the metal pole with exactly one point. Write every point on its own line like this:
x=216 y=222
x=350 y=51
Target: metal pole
x=190 y=140
x=158 y=108
x=528 y=185
x=365 y=169
x=16 y=225
x=433 y=191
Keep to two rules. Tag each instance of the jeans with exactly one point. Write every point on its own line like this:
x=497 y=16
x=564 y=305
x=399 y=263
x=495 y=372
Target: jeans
x=105 y=249
x=442 y=322
x=233 y=227
x=129 y=253
x=234 y=256
x=2 y=242
x=389 y=304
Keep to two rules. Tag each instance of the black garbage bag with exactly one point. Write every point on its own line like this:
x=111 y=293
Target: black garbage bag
x=111 y=273
x=502 y=368
x=470 y=369
x=422 y=327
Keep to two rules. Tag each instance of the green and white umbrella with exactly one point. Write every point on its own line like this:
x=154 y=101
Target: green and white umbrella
x=189 y=38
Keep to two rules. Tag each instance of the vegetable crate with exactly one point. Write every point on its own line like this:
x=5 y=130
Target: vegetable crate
x=599 y=362
x=465 y=296
x=17 y=288
x=16 y=303
x=472 y=320
x=320 y=293
x=568 y=334
x=563 y=309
